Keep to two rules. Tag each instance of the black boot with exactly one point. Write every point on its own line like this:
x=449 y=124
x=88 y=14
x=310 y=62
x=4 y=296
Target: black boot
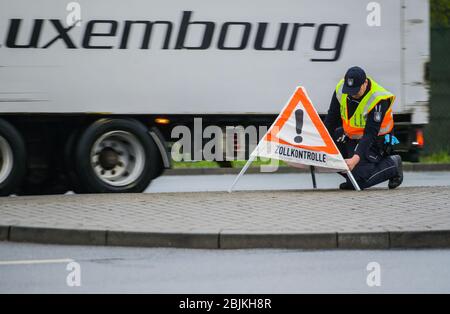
x=398 y=179
x=346 y=186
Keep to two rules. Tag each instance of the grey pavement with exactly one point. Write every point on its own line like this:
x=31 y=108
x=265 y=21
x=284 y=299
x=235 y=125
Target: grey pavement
x=278 y=181
x=26 y=268
x=377 y=218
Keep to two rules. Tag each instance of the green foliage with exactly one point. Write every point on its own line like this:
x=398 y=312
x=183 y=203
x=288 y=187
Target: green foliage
x=194 y=164
x=440 y=13
x=436 y=158
x=212 y=164
x=258 y=162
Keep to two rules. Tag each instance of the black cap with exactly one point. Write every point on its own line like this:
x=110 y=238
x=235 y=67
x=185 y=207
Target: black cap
x=353 y=80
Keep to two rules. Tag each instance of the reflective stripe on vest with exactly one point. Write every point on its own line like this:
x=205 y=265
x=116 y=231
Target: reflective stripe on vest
x=354 y=126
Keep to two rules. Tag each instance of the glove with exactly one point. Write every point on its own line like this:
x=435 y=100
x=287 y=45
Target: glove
x=391 y=139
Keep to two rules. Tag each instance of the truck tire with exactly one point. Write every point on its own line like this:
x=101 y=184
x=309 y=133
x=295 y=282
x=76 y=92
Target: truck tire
x=12 y=158
x=116 y=156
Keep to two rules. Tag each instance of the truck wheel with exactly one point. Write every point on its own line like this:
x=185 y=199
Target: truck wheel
x=116 y=155
x=12 y=158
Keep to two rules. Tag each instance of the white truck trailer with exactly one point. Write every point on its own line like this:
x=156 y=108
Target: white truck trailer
x=91 y=89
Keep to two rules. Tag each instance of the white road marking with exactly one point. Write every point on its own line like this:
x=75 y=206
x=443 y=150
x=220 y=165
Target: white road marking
x=36 y=261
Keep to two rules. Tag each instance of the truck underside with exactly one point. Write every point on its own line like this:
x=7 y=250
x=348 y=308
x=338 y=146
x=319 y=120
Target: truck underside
x=94 y=153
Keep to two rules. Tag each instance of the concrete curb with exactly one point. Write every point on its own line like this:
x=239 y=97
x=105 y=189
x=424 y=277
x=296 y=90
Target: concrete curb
x=284 y=169
x=155 y=239
x=4 y=233
x=364 y=240
x=308 y=241
x=232 y=240
x=57 y=236
x=420 y=239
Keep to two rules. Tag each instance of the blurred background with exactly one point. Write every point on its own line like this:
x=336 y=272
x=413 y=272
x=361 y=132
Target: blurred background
x=437 y=133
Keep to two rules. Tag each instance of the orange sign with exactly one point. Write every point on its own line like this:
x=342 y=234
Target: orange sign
x=307 y=112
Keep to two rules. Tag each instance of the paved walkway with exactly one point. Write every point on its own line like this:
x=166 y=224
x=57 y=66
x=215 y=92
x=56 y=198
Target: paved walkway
x=406 y=217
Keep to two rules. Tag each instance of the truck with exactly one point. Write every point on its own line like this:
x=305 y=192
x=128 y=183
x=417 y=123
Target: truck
x=91 y=90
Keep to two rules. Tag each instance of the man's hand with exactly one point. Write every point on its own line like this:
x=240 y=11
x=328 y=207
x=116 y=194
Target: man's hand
x=352 y=162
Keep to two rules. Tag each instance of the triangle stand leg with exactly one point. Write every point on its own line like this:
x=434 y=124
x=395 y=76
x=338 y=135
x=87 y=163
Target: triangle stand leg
x=352 y=179
x=313 y=176
x=244 y=169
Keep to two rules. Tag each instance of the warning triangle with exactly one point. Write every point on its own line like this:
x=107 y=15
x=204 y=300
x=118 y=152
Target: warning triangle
x=299 y=125
x=299 y=137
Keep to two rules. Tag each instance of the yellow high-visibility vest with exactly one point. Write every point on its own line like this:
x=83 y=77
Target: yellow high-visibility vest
x=354 y=125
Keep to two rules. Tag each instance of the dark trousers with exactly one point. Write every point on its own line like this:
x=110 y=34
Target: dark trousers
x=372 y=169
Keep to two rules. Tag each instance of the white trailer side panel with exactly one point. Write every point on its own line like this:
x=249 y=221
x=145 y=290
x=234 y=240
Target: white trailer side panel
x=416 y=54
x=209 y=81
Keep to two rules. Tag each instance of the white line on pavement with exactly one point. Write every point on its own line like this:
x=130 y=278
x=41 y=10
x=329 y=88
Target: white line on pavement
x=36 y=261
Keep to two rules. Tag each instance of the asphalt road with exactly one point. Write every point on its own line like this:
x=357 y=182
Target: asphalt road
x=42 y=268
x=274 y=181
